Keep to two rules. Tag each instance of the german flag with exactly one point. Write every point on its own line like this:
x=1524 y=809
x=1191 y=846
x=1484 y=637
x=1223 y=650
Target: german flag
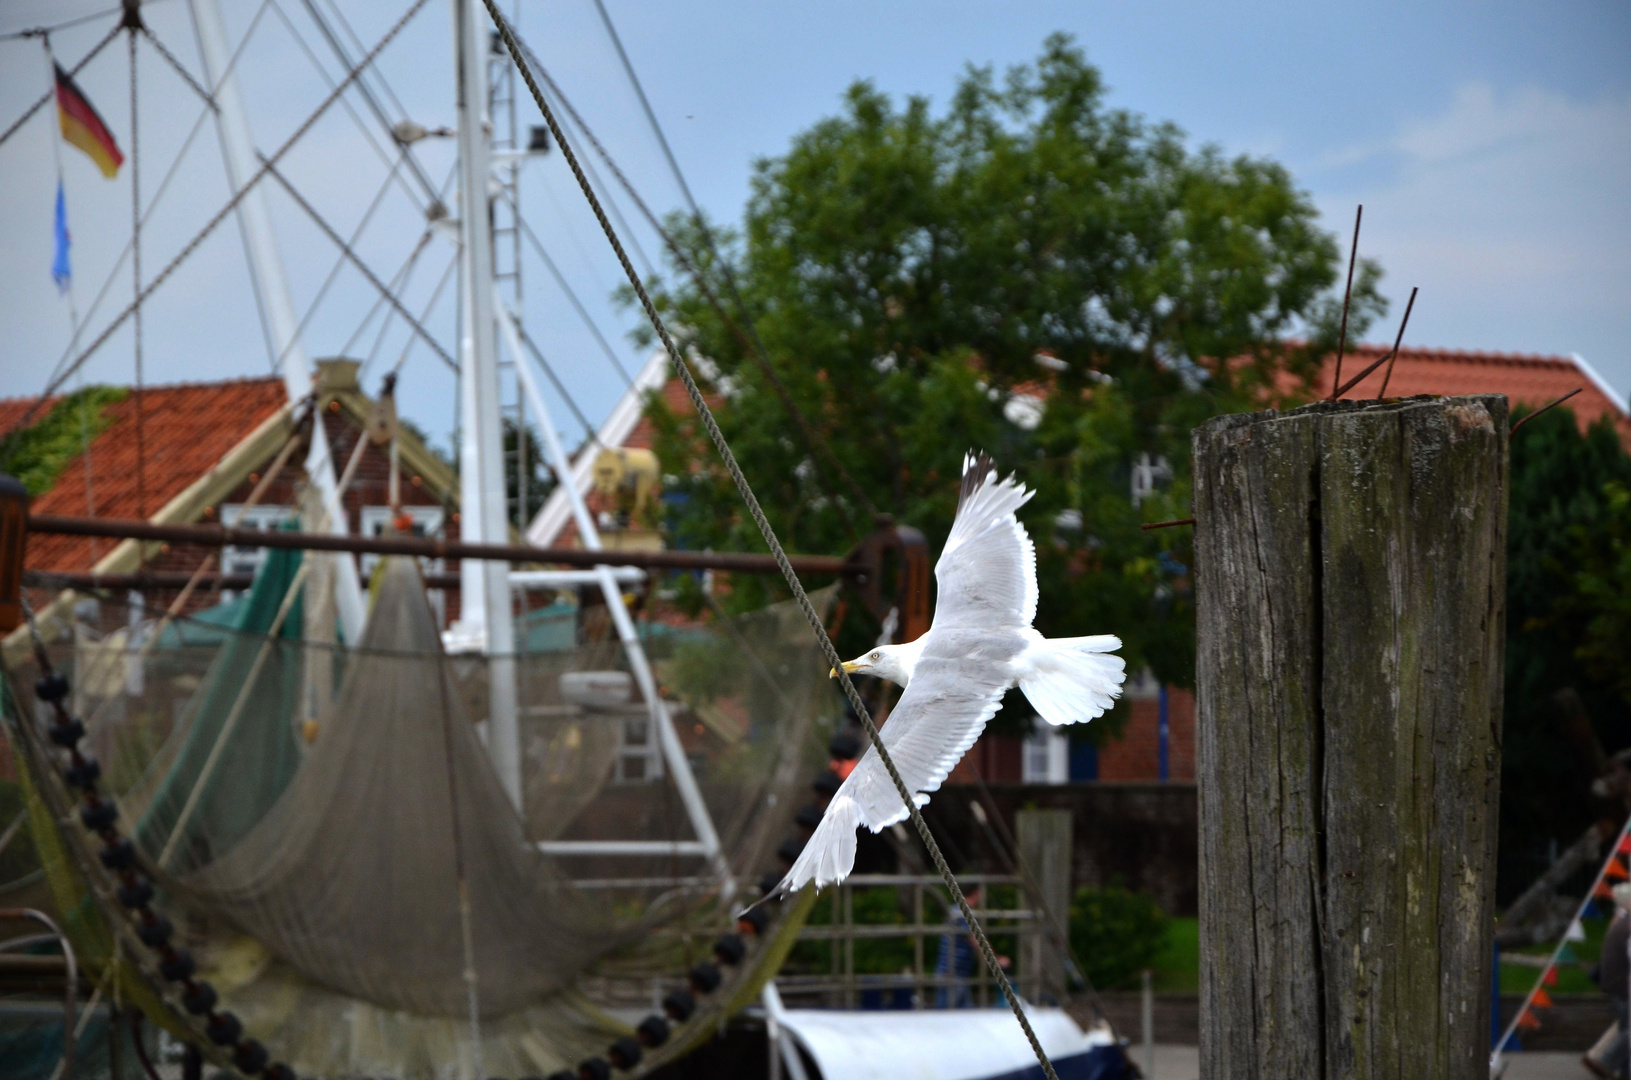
x=84 y=128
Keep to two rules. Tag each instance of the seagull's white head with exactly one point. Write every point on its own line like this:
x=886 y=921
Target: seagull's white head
x=892 y=662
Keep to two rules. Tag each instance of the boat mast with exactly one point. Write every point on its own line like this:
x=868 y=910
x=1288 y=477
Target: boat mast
x=485 y=612
x=272 y=288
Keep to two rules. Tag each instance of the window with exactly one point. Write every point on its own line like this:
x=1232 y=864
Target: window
x=427 y=521
x=1047 y=756
x=639 y=761
x=1149 y=476
x=247 y=560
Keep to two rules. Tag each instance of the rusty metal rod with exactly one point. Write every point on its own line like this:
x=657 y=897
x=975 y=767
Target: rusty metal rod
x=432 y=548
x=167 y=580
x=1544 y=408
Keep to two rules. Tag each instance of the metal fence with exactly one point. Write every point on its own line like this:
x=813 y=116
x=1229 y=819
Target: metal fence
x=919 y=985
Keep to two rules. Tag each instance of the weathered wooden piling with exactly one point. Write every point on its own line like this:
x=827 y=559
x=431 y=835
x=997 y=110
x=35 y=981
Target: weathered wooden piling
x=1350 y=573
x=1043 y=838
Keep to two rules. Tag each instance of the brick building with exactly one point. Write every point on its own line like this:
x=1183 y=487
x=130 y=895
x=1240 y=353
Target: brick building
x=202 y=449
x=1157 y=741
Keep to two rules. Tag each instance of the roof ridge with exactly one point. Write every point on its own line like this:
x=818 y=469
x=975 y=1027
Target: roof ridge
x=1441 y=353
x=240 y=380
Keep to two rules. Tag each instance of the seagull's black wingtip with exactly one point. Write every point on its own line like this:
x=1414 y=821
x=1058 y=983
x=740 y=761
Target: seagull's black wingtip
x=976 y=467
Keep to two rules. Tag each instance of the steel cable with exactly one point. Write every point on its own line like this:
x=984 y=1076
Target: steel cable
x=232 y=204
x=717 y=437
x=752 y=343
x=158 y=195
x=362 y=267
x=577 y=305
x=49 y=94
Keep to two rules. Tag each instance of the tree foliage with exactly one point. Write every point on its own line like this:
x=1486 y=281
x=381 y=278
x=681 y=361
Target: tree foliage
x=1567 y=578
x=1065 y=285
x=37 y=454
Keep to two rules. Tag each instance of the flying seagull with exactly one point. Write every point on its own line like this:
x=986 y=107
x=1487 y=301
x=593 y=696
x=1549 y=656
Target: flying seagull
x=981 y=643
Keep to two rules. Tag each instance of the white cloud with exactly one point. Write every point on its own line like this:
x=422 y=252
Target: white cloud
x=1509 y=209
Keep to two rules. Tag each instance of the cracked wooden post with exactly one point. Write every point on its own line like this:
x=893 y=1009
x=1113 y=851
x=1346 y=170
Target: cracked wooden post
x=1351 y=569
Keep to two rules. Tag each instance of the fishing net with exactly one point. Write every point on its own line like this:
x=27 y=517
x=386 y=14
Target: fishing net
x=328 y=833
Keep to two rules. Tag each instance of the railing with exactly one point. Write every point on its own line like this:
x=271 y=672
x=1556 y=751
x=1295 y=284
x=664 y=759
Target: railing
x=919 y=986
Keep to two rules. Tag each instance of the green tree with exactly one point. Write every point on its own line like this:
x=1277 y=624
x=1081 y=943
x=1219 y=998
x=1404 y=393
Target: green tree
x=1031 y=273
x=1566 y=542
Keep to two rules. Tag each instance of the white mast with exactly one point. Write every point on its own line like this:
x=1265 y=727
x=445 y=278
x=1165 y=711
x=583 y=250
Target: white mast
x=707 y=842
x=485 y=593
x=266 y=268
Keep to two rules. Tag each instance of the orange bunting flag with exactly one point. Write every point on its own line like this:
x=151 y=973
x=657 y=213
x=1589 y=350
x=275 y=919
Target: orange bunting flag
x=1550 y=978
x=1603 y=891
x=1541 y=1000
x=1527 y=1021
x=1625 y=845
x=82 y=127
x=1616 y=871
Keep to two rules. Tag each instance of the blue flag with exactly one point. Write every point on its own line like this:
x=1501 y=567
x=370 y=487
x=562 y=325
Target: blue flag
x=60 y=272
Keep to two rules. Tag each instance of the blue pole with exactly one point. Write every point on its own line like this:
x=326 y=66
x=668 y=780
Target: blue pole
x=1495 y=1003
x=1162 y=733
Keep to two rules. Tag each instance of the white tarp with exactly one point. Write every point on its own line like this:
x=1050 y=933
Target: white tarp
x=937 y=1044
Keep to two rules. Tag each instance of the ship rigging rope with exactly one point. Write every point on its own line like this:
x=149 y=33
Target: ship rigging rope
x=66 y=24
x=398 y=283
x=537 y=354
x=347 y=253
x=384 y=156
x=267 y=165
x=368 y=97
x=435 y=295
x=49 y=94
x=752 y=343
x=152 y=207
x=133 y=23
x=373 y=279
x=583 y=312
x=682 y=368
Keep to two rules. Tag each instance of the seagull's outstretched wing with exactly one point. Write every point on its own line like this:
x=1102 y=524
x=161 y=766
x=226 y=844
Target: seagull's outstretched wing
x=987 y=570
x=955 y=689
x=987 y=577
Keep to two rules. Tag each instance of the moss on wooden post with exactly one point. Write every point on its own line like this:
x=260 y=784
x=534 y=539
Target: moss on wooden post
x=1350 y=568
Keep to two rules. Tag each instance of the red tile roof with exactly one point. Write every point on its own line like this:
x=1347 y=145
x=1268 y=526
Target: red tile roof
x=187 y=429
x=1524 y=378
x=12 y=411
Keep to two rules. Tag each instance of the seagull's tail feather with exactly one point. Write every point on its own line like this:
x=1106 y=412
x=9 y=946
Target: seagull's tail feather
x=1072 y=680
x=830 y=855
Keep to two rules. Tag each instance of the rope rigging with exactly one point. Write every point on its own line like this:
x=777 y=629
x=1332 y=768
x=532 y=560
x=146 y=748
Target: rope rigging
x=67 y=24
x=372 y=102
x=267 y=166
x=589 y=432
x=379 y=151
x=751 y=342
x=158 y=196
x=577 y=305
x=682 y=368
x=362 y=267
x=348 y=253
x=398 y=283
x=49 y=94
x=447 y=274
x=57 y=372
x=132 y=22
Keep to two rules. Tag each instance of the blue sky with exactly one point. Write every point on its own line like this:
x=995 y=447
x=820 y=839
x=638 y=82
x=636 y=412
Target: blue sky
x=1490 y=144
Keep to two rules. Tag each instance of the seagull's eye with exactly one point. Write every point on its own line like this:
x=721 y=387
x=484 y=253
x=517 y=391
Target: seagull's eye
x=877 y=656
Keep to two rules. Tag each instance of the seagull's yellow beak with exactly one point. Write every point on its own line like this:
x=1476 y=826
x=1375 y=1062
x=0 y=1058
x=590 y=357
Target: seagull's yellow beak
x=848 y=665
